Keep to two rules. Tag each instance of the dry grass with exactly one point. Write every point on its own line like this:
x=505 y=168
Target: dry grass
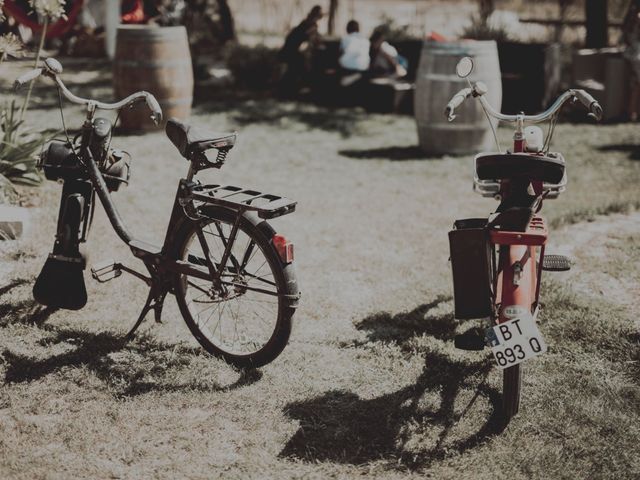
x=370 y=383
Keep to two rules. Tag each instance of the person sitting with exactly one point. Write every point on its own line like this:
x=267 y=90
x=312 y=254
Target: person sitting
x=354 y=54
x=294 y=55
x=385 y=60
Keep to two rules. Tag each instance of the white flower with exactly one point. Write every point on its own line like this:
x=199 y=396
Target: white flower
x=52 y=9
x=10 y=46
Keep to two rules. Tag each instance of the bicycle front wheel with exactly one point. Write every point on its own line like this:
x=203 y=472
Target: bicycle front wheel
x=246 y=317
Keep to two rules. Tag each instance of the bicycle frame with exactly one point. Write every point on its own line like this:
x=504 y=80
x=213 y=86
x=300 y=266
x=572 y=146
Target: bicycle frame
x=185 y=263
x=157 y=260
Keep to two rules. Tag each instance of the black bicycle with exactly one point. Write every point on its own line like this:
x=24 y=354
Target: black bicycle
x=231 y=273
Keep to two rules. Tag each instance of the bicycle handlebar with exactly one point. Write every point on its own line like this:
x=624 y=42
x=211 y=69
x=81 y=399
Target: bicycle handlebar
x=52 y=68
x=479 y=89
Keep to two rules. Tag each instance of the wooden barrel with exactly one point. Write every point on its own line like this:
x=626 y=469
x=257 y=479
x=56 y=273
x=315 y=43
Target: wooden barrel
x=437 y=82
x=155 y=59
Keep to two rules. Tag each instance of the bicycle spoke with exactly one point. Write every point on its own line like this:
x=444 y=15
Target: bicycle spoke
x=225 y=242
x=247 y=254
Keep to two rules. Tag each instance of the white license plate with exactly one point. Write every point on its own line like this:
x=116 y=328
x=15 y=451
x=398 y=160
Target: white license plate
x=515 y=341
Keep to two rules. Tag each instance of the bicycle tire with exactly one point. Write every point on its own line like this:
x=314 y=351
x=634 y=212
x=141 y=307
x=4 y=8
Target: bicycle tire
x=511 y=376
x=284 y=281
x=511 y=383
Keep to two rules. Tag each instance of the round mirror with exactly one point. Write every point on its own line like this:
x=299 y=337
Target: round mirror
x=464 y=67
x=53 y=65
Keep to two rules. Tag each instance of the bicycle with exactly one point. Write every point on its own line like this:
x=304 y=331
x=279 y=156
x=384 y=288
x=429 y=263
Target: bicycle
x=231 y=273
x=497 y=262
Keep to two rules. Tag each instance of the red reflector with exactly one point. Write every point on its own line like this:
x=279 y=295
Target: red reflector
x=283 y=247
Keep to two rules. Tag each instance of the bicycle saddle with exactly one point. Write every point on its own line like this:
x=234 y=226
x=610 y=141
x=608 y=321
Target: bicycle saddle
x=190 y=141
x=497 y=166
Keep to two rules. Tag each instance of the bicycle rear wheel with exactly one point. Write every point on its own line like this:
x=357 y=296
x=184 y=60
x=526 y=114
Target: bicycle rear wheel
x=247 y=319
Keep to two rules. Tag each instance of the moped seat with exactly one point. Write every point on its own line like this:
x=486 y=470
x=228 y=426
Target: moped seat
x=504 y=166
x=191 y=141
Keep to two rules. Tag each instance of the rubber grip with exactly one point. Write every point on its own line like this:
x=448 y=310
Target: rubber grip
x=596 y=110
x=586 y=99
x=154 y=106
x=590 y=103
x=27 y=77
x=458 y=98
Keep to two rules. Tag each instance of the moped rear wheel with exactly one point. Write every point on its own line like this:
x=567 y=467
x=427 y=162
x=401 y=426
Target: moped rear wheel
x=512 y=293
x=247 y=319
x=511 y=382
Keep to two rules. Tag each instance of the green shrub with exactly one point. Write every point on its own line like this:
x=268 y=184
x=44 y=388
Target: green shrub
x=394 y=33
x=481 y=30
x=254 y=68
x=18 y=149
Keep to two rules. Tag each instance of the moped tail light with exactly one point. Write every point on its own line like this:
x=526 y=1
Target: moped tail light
x=283 y=247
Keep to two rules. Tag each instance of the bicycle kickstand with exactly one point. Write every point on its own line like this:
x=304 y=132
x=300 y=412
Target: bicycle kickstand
x=155 y=302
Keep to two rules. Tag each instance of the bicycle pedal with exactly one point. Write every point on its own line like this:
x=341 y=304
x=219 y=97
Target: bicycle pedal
x=105 y=271
x=556 y=263
x=468 y=341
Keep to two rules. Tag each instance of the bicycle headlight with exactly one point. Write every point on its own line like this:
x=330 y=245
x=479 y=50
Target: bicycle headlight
x=58 y=161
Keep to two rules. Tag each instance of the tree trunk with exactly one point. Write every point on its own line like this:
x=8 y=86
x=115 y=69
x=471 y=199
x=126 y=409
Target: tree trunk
x=226 y=19
x=333 y=8
x=563 y=6
x=597 y=23
x=486 y=9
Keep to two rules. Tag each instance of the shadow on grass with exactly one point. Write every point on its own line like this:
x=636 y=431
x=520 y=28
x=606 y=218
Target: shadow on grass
x=402 y=327
x=409 y=428
x=12 y=284
x=27 y=312
x=127 y=369
x=400 y=153
x=272 y=111
x=632 y=150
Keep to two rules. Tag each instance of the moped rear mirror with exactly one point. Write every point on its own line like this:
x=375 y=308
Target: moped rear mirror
x=464 y=67
x=53 y=66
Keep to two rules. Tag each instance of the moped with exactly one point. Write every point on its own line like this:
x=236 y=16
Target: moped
x=231 y=273
x=497 y=262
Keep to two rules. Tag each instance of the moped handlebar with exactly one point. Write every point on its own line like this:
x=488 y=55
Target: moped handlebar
x=456 y=101
x=479 y=89
x=27 y=77
x=52 y=68
x=590 y=103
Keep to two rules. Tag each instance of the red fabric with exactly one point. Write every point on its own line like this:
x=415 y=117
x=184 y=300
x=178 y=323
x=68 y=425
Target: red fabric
x=57 y=29
x=135 y=12
x=435 y=36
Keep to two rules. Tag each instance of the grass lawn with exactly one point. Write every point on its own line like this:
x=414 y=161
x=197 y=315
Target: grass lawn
x=370 y=383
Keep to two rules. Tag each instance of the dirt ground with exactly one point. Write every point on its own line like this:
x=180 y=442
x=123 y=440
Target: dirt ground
x=370 y=383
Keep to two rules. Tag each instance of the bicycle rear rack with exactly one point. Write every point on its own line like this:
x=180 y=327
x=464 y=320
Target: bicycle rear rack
x=266 y=205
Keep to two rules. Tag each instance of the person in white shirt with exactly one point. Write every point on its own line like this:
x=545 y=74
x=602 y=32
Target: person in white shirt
x=354 y=49
x=385 y=60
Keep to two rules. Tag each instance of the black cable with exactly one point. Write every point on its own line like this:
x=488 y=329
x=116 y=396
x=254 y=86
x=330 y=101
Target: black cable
x=64 y=126
x=114 y=126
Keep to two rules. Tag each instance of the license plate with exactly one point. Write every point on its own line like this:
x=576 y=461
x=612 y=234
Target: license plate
x=515 y=341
